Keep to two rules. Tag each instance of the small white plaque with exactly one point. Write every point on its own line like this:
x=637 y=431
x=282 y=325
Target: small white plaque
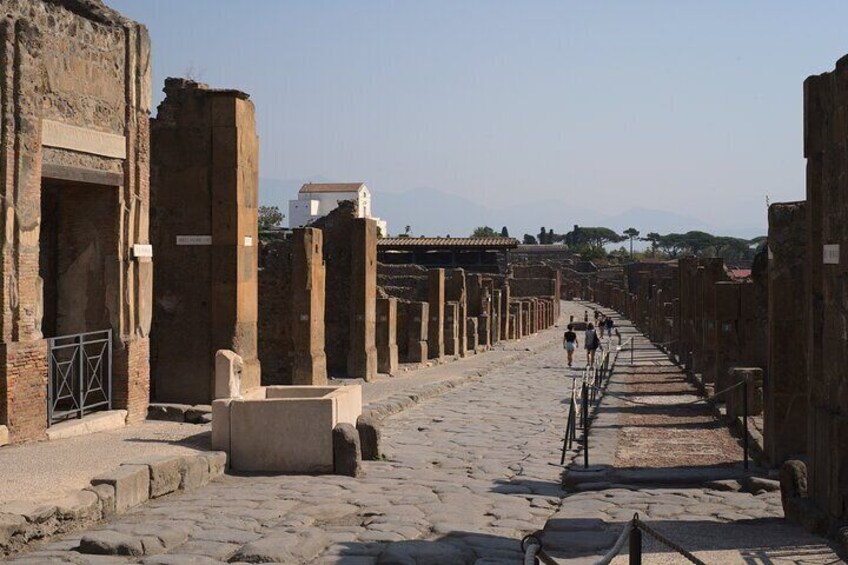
x=142 y=250
x=248 y=241
x=194 y=240
x=304 y=317
x=831 y=254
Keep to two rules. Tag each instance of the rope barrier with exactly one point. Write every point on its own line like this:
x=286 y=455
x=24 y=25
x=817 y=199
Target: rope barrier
x=707 y=399
x=534 y=550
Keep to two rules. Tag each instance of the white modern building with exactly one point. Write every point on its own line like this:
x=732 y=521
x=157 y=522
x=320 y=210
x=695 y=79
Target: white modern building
x=315 y=200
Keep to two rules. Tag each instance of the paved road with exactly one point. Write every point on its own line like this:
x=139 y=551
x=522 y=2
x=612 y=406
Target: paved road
x=466 y=475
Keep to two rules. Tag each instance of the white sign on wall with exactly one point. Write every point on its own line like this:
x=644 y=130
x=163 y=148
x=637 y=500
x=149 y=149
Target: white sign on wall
x=194 y=240
x=831 y=254
x=248 y=241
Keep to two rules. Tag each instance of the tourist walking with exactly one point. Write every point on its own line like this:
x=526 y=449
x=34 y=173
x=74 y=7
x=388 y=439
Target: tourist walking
x=569 y=343
x=602 y=325
x=592 y=343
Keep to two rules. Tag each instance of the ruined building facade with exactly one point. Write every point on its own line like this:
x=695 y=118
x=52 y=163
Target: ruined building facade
x=75 y=95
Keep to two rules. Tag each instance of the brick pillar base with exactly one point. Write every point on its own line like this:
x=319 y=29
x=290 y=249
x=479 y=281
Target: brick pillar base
x=131 y=377
x=23 y=389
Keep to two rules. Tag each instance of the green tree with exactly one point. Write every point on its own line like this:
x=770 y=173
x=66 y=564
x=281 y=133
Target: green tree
x=504 y=232
x=631 y=233
x=529 y=239
x=654 y=238
x=484 y=231
x=270 y=218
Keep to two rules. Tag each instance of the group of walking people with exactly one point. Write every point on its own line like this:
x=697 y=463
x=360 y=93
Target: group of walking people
x=591 y=340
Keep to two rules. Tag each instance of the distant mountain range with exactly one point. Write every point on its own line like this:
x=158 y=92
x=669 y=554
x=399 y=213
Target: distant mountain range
x=432 y=212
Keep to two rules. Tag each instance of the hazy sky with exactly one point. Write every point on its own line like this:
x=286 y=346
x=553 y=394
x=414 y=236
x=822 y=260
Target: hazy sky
x=687 y=106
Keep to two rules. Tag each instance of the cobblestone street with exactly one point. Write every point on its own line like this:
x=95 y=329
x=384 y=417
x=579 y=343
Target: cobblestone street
x=466 y=475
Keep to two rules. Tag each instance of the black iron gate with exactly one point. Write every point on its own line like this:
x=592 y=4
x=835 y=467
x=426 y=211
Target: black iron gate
x=79 y=375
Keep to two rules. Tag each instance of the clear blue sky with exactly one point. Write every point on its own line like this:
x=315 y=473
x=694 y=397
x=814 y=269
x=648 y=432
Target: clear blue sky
x=688 y=106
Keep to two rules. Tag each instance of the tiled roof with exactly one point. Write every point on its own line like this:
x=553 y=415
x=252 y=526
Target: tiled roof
x=331 y=187
x=478 y=242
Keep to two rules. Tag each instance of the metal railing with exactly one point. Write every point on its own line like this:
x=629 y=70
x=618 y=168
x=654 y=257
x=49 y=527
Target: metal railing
x=79 y=375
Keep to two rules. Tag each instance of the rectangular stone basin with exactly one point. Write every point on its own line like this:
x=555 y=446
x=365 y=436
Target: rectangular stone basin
x=284 y=429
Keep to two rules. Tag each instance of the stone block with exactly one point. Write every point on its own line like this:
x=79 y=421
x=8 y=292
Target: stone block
x=165 y=473
x=386 y=338
x=4 y=436
x=108 y=542
x=369 y=437
x=228 y=370
x=221 y=424
x=106 y=494
x=347 y=453
x=131 y=484
x=199 y=414
x=167 y=412
x=10 y=526
x=195 y=474
x=34 y=512
x=217 y=461
x=79 y=507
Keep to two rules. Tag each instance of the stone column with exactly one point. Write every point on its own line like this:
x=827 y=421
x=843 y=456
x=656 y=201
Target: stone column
x=506 y=318
x=452 y=341
x=473 y=336
x=725 y=317
x=306 y=318
x=387 y=349
x=362 y=356
x=417 y=314
x=786 y=383
x=436 y=328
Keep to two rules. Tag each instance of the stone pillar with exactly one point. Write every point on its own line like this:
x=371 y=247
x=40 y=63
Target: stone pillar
x=786 y=383
x=387 y=349
x=204 y=200
x=473 y=336
x=306 y=301
x=436 y=328
x=362 y=356
x=455 y=291
x=506 y=318
x=417 y=314
x=496 y=316
x=725 y=317
x=452 y=341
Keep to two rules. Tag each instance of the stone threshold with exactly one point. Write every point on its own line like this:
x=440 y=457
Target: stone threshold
x=24 y=523
x=92 y=423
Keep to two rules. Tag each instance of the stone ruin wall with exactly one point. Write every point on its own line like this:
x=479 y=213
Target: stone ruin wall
x=65 y=65
x=825 y=148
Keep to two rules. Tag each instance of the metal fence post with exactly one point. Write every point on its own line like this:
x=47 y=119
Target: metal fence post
x=635 y=545
x=745 y=422
x=585 y=425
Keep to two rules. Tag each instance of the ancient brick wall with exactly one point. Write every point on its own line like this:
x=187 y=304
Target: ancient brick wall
x=205 y=191
x=75 y=95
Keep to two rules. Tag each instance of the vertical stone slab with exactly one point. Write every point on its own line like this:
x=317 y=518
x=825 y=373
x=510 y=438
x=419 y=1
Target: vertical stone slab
x=473 y=336
x=726 y=316
x=786 y=383
x=436 y=328
x=362 y=356
x=387 y=349
x=452 y=341
x=455 y=290
x=306 y=308
x=506 y=318
x=417 y=315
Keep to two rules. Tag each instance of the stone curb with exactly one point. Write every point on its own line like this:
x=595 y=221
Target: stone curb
x=129 y=485
x=397 y=403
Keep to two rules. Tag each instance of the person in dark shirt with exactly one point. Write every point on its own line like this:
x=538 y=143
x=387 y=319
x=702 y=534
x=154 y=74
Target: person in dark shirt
x=569 y=343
